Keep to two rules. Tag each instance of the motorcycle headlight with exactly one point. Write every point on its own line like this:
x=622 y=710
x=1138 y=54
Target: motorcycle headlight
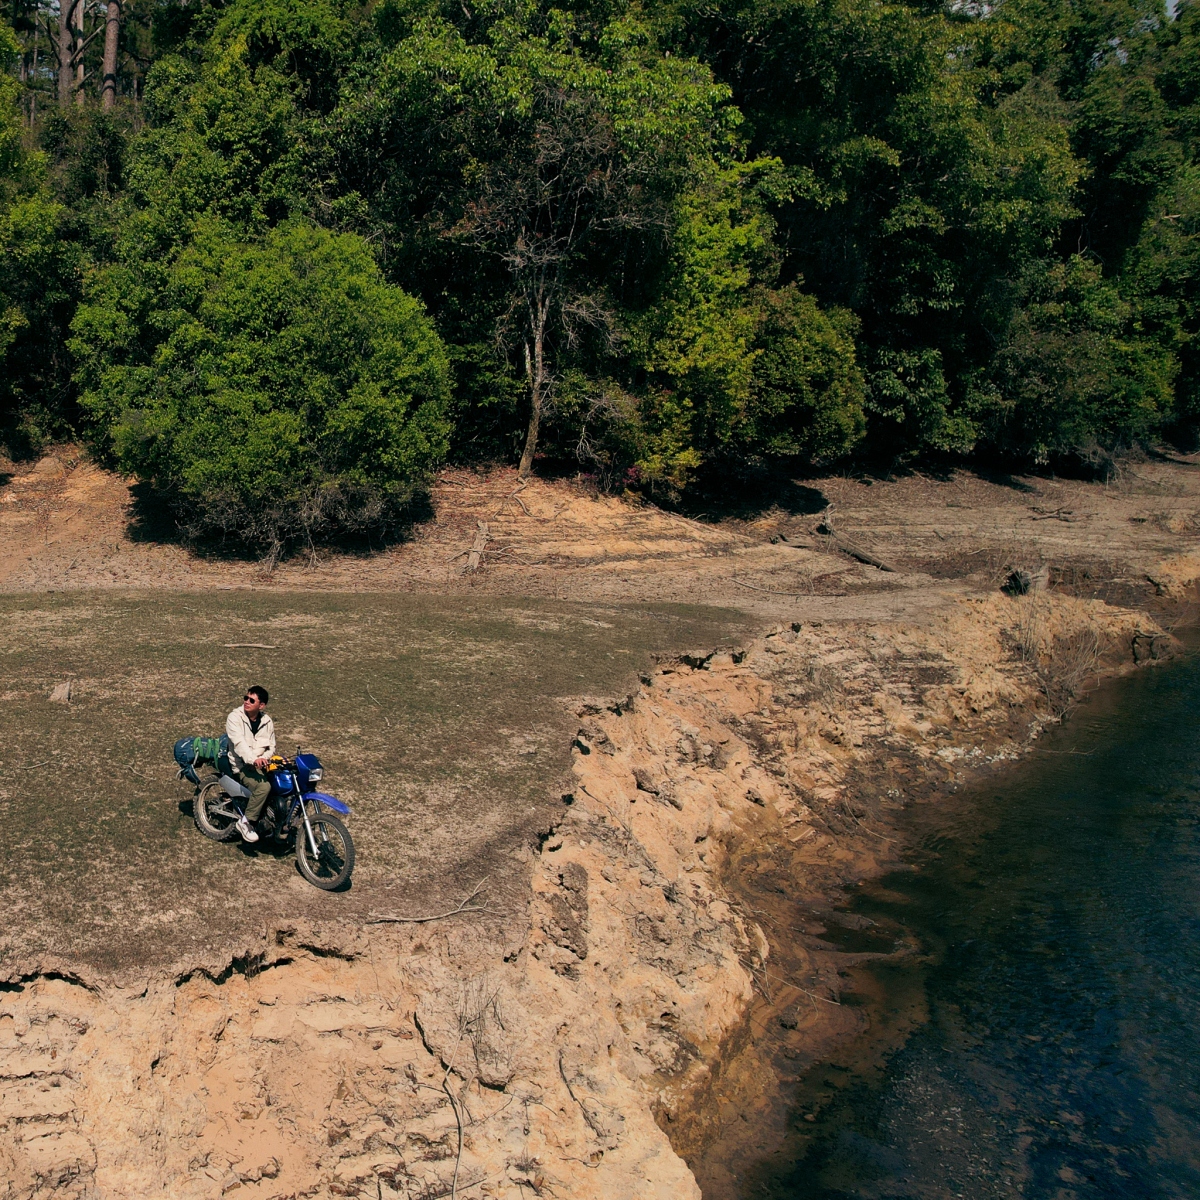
x=315 y=775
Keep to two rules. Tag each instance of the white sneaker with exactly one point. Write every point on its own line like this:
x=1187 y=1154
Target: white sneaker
x=247 y=832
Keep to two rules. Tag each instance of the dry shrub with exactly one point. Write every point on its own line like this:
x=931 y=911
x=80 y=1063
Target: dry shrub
x=1073 y=659
x=1062 y=663
x=1028 y=631
x=821 y=682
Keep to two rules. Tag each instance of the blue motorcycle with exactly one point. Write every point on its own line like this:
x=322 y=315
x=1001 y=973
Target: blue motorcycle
x=294 y=810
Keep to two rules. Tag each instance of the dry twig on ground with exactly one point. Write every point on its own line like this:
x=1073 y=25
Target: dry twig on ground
x=770 y=591
x=465 y=907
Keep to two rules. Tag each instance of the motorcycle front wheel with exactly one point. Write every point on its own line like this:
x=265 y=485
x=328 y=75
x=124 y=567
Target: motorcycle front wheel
x=211 y=810
x=330 y=867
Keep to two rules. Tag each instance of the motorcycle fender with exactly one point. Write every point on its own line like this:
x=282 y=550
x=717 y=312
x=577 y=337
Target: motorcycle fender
x=338 y=806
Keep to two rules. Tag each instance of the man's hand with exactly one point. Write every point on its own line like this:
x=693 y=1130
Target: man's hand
x=261 y=764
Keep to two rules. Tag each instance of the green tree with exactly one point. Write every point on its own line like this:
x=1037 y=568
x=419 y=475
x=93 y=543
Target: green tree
x=276 y=391
x=39 y=268
x=550 y=154
x=1075 y=373
x=571 y=195
x=930 y=166
x=737 y=369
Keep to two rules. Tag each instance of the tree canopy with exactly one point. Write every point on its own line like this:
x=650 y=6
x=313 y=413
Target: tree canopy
x=284 y=257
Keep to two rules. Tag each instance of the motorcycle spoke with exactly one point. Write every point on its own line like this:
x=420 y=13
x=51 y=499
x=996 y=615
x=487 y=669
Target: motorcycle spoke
x=330 y=866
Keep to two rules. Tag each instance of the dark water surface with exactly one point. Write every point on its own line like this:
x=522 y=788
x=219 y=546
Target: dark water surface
x=1057 y=1050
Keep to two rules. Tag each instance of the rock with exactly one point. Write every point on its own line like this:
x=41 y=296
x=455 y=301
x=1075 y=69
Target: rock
x=592 y=735
x=1022 y=581
x=790 y=1017
x=61 y=693
x=1151 y=647
x=567 y=923
x=50 y=468
x=644 y=781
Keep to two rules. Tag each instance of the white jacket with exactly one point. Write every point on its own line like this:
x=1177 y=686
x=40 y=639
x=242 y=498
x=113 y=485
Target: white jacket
x=245 y=745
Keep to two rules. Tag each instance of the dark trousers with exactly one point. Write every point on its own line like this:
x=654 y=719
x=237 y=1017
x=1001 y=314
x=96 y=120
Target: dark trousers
x=259 y=787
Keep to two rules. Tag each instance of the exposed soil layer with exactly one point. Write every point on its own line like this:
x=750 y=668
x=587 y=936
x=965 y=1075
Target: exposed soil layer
x=66 y=524
x=622 y=1014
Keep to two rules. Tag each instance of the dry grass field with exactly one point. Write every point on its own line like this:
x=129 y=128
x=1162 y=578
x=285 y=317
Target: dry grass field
x=439 y=719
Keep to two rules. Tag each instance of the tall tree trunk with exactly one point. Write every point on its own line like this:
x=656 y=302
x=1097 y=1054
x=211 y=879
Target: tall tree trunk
x=32 y=93
x=112 y=34
x=535 y=370
x=62 y=36
x=77 y=29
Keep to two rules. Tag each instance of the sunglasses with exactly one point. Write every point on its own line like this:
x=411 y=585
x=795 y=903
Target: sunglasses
x=249 y=696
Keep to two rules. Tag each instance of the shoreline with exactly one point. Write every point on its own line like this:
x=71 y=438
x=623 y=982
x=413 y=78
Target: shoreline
x=608 y=1033
x=786 y=1037
x=632 y=1020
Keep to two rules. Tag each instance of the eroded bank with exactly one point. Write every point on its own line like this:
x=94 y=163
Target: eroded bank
x=639 y=1011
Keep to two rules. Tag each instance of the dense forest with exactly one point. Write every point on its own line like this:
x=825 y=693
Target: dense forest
x=281 y=258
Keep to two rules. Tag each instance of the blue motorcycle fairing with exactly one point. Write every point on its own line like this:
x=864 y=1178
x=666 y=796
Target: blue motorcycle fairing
x=329 y=801
x=307 y=762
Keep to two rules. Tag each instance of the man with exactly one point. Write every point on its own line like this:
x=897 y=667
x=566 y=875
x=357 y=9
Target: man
x=251 y=744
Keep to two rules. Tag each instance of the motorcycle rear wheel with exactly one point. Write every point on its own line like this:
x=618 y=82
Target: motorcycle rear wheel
x=335 y=852
x=217 y=826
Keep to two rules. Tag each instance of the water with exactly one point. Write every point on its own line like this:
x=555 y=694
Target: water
x=1056 y=1050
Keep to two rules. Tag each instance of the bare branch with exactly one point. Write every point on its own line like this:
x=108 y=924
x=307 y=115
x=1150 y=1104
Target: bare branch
x=465 y=907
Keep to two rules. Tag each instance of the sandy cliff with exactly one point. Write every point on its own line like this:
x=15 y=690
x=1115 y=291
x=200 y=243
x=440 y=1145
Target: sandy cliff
x=545 y=1052
x=648 y=998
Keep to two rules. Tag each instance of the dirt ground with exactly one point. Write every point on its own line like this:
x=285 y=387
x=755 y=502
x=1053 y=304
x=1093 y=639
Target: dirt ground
x=65 y=525
x=661 y=878
x=439 y=720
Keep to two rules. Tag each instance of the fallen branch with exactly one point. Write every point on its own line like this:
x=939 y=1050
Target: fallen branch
x=571 y=1092
x=862 y=555
x=846 y=547
x=248 y=646
x=457 y=1118
x=465 y=907
x=787 y=981
x=514 y=495
x=378 y=706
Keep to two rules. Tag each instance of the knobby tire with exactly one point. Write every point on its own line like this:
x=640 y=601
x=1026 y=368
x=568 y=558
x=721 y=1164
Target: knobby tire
x=335 y=850
x=222 y=829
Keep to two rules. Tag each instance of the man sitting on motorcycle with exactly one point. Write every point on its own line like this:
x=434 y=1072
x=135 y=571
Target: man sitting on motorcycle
x=251 y=744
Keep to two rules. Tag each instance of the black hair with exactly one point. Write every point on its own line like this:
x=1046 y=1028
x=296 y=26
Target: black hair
x=260 y=692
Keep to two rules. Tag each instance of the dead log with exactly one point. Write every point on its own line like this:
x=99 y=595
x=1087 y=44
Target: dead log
x=862 y=555
x=476 y=552
x=848 y=547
